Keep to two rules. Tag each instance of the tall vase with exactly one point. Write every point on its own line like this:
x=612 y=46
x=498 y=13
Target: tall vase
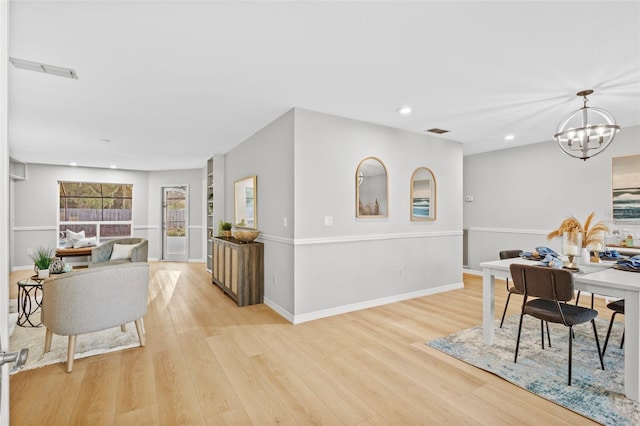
x=585 y=257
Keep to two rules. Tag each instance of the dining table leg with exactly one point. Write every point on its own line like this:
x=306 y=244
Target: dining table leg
x=488 y=306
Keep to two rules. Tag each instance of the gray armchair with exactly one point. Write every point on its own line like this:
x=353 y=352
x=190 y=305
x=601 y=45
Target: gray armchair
x=90 y=300
x=101 y=255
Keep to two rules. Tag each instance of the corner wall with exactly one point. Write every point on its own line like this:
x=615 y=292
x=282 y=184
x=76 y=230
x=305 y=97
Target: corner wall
x=268 y=154
x=521 y=194
x=306 y=163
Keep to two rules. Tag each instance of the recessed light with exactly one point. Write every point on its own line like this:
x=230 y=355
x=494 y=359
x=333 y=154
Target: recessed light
x=509 y=138
x=405 y=110
x=73 y=164
x=105 y=140
x=113 y=166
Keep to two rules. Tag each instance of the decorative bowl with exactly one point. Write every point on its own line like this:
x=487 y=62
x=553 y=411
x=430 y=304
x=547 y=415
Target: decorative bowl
x=246 y=235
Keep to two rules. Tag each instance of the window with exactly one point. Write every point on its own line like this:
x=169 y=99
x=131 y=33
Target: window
x=102 y=210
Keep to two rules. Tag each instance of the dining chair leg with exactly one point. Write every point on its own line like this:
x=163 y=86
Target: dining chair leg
x=570 y=355
x=505 y=310
x=548 y=334
x=606 y=339
x=542 y=333
x=515 y=358
x=595 y=334
x=622 y=341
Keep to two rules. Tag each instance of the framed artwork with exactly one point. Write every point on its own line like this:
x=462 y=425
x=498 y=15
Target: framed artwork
x=423 y=194
x=625 y=187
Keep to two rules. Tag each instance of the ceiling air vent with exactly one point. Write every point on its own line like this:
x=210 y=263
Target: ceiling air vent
x=47 y=69
x=438 y=131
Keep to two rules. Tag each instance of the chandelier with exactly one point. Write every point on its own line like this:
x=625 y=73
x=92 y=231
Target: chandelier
x=587 y=131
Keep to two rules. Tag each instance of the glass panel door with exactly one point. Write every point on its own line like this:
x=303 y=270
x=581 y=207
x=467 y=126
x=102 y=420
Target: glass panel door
x=175 y=227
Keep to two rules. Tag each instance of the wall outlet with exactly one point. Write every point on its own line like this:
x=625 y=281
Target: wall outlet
x=29 y=252
x=328 y=221
x=275 y=278
x=400 y=272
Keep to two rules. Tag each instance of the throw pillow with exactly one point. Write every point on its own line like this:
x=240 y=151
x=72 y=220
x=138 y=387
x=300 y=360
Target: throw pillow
x=122 y=251
x=72 y=237
x=86 y=242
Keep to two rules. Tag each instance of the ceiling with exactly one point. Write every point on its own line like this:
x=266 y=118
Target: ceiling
x=169 y=83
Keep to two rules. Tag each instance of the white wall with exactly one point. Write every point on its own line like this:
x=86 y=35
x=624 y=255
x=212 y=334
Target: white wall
x=357 y=262
x=521 y=194
x=306 y=167
x=35 y=205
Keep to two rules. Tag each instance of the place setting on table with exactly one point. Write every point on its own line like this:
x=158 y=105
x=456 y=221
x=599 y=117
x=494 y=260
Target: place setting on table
x=608 y=258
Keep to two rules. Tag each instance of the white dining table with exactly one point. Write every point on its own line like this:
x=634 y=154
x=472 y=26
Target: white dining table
x=595 y=278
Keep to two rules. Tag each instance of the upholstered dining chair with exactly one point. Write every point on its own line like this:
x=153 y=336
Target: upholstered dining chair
x=618 y=308
x=508 y=254
x=551 y=287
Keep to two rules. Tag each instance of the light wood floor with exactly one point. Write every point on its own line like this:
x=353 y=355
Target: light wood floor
x=208 y=362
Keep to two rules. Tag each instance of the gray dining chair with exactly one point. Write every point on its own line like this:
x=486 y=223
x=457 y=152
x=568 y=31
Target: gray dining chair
x=552 y=288
x=509 y=254
x=618 y=308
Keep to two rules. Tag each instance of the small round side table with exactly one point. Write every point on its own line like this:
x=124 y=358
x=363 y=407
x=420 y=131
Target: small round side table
x=29 y=300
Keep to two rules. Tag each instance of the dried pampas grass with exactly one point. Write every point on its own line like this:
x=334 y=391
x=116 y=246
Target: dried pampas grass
x=591 y=234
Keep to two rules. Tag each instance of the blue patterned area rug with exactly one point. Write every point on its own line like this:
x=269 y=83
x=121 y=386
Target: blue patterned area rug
x=596 y=394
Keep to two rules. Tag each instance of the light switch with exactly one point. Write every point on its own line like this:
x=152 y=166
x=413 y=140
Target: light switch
x=328 y=221
x=284 y=222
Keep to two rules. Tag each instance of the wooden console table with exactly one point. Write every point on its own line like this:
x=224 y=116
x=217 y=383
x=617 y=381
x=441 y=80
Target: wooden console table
x=238 y=269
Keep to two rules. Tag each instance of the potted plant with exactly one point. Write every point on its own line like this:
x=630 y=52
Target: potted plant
x=226 y=229
x=42 y=258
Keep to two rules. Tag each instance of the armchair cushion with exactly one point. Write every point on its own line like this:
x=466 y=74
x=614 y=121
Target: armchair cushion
x=122 y=251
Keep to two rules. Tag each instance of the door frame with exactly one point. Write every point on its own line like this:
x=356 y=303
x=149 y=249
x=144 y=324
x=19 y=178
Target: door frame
x=4 y=208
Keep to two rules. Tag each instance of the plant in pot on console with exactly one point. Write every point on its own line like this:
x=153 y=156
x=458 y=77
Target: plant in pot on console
x=42 y=258
x=226 y=229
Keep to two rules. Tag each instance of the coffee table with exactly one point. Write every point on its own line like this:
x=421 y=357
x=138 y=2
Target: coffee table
x=29 y=300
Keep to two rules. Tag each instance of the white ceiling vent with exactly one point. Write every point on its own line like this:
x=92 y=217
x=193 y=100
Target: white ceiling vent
x=47 y=69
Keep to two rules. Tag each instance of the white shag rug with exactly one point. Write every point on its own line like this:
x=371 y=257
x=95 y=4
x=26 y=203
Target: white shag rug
x=89 y=344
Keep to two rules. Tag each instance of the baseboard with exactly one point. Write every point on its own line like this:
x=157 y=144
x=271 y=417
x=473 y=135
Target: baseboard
x=298 y=319
x=279 y=309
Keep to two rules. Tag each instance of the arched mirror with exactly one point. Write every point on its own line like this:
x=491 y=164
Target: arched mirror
x=423 y=194
x=371 y=189
x=245 y=202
